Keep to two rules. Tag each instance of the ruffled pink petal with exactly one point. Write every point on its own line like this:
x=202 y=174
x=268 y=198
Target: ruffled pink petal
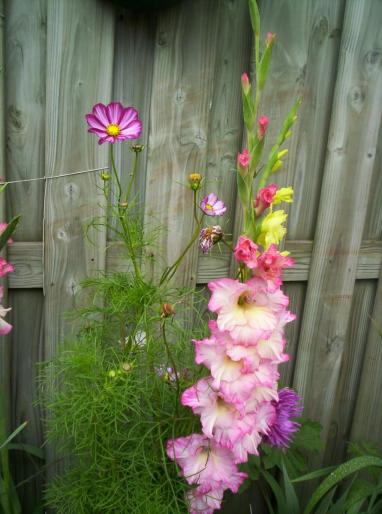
x=5 y=327
x=133 y=131
x=94 y=122
x=204 y=502
x=114 y=112
x=247 y=445
x=128 y=115
x=109 y=139
x=99 y=110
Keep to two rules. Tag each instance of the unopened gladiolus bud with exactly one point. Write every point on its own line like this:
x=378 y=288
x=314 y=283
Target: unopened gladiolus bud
x=262 y=128
x=285 y=194
x=269 y=38
x=276 y=166
x=281 y=154
x=137 y=148
x=195 y=181
x=264 y=198
x=288 y=134
x=294 y=118
x=167 y=310
x=245 y=83
x=105 y=175
x=243 y=158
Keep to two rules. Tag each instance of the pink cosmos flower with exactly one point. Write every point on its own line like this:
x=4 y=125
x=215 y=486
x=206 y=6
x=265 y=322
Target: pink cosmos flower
x=5 y=267
x=209 y=236
x=3 y=226
x=212 y=206
x=207 y=502
x=264 y=198
x=247 y=310
x=5 y=327
x=113 y=122
x=243 y=158
x=246 y=251
x=271 y=264
x=220 y=420
x=262 y=127
x=204 y=462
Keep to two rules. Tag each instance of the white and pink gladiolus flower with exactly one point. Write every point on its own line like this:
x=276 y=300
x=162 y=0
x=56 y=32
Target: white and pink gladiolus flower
x=5 y=327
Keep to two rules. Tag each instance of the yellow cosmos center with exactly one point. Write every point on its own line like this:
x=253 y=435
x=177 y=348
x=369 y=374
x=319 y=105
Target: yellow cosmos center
x=209 y=207
x=113 y=129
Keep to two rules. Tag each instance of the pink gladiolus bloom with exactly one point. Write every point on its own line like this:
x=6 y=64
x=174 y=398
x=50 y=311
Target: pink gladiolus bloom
x=113 y=122
x=243 y=158
x=247 y=310
x=205 y=463
x=212 y=206
x=5 y=267
x=3 y=226
x=208 y=502
x=245 y=83
x=246 y=251
x=264 y=198
x=262 y=127
x=271 y=264
x=220 y=420
x=5 y=327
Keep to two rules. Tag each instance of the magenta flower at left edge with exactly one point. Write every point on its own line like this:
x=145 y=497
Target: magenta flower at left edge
x=114 y=122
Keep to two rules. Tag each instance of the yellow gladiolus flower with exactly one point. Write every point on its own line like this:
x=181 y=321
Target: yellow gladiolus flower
x=272 y=229
x=284 y=194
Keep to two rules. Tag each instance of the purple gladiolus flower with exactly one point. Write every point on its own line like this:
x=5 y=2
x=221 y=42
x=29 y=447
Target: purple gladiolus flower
x=114 y=122
x=209 y=236
x=282 y=430
x=212 y=206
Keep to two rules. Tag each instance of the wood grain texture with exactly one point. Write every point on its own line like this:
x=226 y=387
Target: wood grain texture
x=25 y=116
x=80 y=46
x=132 y=84
x=28 y=261
x=24 y=389
x=343 y=204
x=184 y=67
x=351 y=369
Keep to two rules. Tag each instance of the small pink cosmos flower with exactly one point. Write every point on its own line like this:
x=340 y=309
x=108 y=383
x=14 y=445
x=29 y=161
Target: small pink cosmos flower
x=5 y=267
x=264 y=198
x=113 y=122
x=243 y=158
x=262 y=127
x=246 y=251
x=212 y=206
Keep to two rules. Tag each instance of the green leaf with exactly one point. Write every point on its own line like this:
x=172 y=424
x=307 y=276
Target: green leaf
x=326 y=502
x=342 y=471
x=314 y=474
x=255 y=17
x=277 y=491
x=309 y=435
x=14 y=434
x=28 y=448
x=264 y=65
x=377 y=508
x=290 y=493
x=6 y=234
x=339 y=506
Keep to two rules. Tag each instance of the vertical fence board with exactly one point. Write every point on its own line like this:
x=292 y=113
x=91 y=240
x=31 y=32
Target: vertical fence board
x=79 y=74
x=179 y=121
x=25 y=112
x=343 y=203
x=133 y=68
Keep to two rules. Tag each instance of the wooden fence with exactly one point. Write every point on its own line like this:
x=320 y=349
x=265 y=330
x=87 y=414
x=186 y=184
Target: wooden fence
x=181 y=68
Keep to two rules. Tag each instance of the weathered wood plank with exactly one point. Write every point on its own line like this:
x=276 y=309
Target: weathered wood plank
x=25 y=112
x=361 y=309
x=80 y=45
x=181 y=98
x=132 y=84
x=353 y=135
x=28 y=261
x=367 y=420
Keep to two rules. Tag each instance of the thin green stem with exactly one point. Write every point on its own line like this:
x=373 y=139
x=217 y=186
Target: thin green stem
x=173 y=364
x=195 y=209
x=113 y=167
x=132 y=179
